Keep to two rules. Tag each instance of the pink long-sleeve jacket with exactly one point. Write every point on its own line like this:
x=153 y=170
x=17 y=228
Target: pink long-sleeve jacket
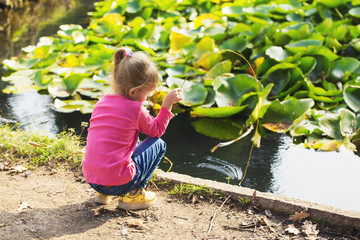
x=112 y=136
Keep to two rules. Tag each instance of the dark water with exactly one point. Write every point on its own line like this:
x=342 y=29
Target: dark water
x=277 y=166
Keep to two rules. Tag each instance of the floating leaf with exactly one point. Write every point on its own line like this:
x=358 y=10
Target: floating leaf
x=330 y=125
x=280 y=115
x=343 y=66
x=352 y=95
x=277 y=53
x=219 y=69
x=219 y=112
x=194 y=94
x=68 y=106
x=230 y=90
x=178 y=39
x=223 y=129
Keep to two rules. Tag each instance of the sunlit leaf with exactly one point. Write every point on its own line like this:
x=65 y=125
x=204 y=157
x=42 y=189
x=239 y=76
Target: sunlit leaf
x=68 y=106
x=72 y=81
x=303 y=45
x=220 y=112
x=219 y=69
x=355 y=12
x=330 y=125
x=178 y=40
x=230 y=90
x=277 y=53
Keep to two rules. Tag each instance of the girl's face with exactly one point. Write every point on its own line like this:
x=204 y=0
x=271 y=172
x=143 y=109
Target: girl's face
x=140 y=94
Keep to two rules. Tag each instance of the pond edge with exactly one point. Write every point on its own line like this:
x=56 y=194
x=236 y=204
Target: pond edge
x=319 y=212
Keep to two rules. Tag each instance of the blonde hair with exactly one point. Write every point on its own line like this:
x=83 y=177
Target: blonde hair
x=132 y=71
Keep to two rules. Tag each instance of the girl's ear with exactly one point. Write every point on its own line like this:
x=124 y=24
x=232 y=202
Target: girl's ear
x=132 y=92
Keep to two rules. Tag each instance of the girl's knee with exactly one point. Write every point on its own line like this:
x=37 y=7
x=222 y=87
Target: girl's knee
x=161 y=143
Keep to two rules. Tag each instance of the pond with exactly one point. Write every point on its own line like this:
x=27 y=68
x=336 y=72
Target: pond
x=278 y=166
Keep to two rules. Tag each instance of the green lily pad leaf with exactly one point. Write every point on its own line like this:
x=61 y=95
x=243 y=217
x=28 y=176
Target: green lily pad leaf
x=92 y=88
x=219 y=69
x=332 y=3
x=320 y=70
x=78 y=37
x=236 y=44
x=303 y=45
x=342 y=67
x=180 y=71
x=68 y=106
x=223 y=129
x=322 y=92
x=210 y=98
x=281 y=115
x=219 y=112
x=299 y=31
x=230 y=90
x=72 y=81
x=352 y=95
x=330 y=125
x=217 y=32
x=307 y=64
x=276 y=53
x=325 y=99
x=232 y=11
x=41 y=79
x=57 y=88
x=21 y=77
x=355 y=12
x=206 y=44
x=325 y=145
x=194 y=94
x=347 y=122
x=280 y=76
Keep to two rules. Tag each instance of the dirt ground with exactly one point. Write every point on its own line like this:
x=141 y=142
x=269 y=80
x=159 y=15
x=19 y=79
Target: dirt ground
x=47 y=205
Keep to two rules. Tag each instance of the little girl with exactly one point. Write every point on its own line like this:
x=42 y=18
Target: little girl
x=115 y=162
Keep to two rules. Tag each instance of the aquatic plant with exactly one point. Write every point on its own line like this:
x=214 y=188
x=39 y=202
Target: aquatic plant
x=305 y=55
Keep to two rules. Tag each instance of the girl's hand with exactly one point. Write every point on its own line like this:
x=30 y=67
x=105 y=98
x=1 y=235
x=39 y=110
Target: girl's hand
x=172 y=97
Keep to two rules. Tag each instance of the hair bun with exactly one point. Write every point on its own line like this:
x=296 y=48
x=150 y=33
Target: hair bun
x=119 y=55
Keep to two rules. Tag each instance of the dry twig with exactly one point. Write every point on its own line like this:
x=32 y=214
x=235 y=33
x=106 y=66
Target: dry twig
x=213 y=217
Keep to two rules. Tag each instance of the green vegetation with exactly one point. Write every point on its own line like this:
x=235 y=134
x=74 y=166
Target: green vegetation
x=32 y=150
x=305 y=54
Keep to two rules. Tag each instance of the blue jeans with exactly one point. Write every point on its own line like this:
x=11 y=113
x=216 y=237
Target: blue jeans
x=147 y=156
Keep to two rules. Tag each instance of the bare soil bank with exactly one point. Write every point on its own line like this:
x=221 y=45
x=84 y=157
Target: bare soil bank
x=47 y=205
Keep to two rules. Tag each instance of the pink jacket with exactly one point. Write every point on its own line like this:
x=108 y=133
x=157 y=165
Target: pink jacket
x=112 y=136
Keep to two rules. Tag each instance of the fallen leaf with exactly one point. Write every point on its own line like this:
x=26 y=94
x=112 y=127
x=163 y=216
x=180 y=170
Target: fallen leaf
x=298 y=216
x=136 y=223
x=17 y=169
x=310 y=230
x=24 y=205
x=292 y=229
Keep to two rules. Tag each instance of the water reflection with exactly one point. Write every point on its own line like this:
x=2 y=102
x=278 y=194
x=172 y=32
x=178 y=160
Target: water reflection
x=331 y=178
x=33 y=111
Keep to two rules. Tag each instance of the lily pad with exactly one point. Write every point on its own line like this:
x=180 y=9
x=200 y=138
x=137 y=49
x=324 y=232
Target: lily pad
x=220 y=112
x=352 y=95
